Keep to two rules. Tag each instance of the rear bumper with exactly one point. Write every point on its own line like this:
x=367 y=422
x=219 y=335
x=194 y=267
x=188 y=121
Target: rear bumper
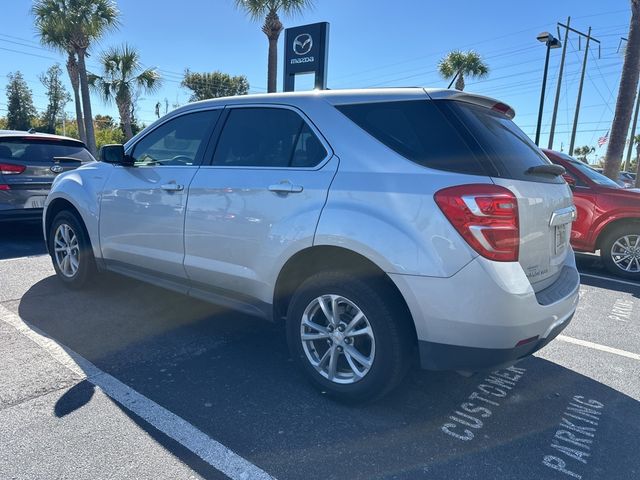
x=487 y=315
x=439 y=356
x=21 y=215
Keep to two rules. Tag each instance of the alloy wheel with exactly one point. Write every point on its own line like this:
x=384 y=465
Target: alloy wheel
x=625 y=253
x=66 y=250
x=337 y=339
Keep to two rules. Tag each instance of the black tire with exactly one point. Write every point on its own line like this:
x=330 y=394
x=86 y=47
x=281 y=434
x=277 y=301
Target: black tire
x=86 y=268
x=392 y=335
x=608 y=242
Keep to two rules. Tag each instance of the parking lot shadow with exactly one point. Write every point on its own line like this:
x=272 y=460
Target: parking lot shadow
x=231 y=376
x=21 y=239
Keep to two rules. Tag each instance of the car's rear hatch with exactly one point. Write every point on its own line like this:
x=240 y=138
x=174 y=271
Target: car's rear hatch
x=545 y=202
x=29 y=164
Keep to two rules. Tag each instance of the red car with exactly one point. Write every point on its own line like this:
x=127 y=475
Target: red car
x=608 y=216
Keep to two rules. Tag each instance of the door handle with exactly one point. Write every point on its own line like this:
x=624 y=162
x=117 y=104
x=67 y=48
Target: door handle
x=285 y=187
x=172 y=187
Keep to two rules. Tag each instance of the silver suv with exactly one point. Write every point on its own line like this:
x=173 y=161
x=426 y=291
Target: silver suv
x=28 y=164
x=382 y=226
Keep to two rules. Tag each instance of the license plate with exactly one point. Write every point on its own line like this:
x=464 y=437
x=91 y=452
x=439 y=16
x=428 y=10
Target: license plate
x=35 y=202
x=561 y=237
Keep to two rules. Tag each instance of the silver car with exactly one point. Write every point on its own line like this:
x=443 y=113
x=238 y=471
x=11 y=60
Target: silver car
x=28 y=164
x=382 y=226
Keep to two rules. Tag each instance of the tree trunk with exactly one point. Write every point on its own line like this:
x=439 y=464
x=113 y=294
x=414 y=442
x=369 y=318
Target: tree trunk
x=460 y=82
x=272 y=28
x=86 y=102
x=124 y=109
x=626 y=96
x=72 y=70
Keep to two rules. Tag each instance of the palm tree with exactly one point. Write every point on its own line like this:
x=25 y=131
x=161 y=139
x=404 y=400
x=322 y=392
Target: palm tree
x=581 y=153
x=462 y=64
x=72 y=26
x=626 y=96
x=272 y=26
x=51 y=36
x=122 y=78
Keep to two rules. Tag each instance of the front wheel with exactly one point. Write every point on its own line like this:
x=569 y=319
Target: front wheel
x=349 y=336
x=620 y=251
x=70 y=250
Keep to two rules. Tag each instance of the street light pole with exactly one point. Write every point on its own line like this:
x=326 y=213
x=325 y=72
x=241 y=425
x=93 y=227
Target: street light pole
x=550 y=42
x=557 y=100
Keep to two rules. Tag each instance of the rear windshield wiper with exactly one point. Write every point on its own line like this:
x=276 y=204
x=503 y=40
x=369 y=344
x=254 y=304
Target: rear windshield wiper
x=555 y=170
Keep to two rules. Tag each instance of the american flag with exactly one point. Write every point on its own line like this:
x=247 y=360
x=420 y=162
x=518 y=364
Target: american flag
x=604 y=139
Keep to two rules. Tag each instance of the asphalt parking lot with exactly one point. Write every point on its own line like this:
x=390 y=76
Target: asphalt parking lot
x=164 y=386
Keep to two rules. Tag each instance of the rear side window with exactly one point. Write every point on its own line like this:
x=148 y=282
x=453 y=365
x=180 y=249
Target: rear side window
x=419 y=131
x=267 y=137
x=41 y=151
x=452 y=135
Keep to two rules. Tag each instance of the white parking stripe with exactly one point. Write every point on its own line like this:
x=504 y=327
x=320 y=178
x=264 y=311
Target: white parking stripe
x=15 y=259
x=597 y=346
x=610 y=279
x=175 y=427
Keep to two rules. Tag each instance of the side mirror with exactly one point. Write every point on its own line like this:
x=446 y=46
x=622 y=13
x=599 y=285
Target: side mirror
x=114 y=154
x=570 y=180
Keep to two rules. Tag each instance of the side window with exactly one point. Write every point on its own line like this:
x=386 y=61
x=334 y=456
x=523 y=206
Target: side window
x=419 y=131
x=267 y=137
x=178 y=142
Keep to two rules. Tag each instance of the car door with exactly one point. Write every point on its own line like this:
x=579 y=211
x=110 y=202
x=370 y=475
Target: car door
x=143 y=206
x=257 y=202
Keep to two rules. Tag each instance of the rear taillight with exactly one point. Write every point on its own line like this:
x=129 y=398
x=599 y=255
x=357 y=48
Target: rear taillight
x=4 y=186
x=486 y=216
x=11 y=169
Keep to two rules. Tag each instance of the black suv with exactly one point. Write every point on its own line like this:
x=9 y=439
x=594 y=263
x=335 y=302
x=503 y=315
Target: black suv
x=28 y=164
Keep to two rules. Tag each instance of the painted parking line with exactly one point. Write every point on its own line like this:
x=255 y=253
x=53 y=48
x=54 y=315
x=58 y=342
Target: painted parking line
x=597 y=346
x=175 y=427
x=611 y=279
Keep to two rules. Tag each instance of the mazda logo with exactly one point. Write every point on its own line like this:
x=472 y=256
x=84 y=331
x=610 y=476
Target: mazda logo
x=56 y=169
x=302 y=44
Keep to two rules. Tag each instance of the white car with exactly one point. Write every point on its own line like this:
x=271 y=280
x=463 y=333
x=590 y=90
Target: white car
x=382 y=226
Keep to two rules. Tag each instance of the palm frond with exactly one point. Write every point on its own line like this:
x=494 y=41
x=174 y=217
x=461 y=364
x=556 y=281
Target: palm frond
x=258 y=9
x=469 y=63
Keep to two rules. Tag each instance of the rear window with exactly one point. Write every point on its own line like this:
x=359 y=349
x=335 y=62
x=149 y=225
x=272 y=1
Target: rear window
x=41 y=151
x=510 y=151
x=450 y=135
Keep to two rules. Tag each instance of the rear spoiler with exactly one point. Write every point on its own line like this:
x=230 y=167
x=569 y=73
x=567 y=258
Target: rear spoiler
x=480 y=100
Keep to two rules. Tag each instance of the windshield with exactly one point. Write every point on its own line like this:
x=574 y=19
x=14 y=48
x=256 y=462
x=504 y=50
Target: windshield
x=586 y=170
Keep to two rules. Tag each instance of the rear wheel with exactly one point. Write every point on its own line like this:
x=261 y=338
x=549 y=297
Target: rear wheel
x=348 y=336
x=70 y=250
x=620 y=251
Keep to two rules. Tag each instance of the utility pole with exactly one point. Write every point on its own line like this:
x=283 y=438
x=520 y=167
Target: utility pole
x=557 y=100
x=633 y=133
x=584 y=70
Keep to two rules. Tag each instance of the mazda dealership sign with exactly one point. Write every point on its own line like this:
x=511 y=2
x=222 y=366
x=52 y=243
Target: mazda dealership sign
x=306 y=52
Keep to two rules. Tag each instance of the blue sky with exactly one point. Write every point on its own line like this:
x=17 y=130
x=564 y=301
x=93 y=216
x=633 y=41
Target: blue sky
x=372 y=43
